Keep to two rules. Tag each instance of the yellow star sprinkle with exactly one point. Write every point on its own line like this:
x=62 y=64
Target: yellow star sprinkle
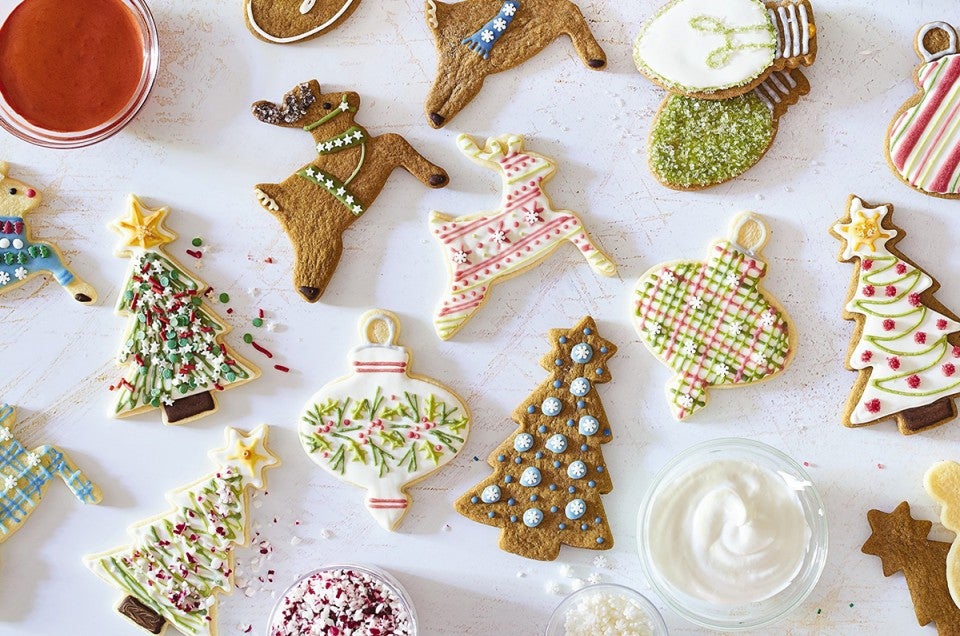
x=142 y=227
x=247 y=453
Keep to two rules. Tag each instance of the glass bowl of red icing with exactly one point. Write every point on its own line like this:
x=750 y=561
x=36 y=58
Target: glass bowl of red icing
x=344 y=600
x=75 y=72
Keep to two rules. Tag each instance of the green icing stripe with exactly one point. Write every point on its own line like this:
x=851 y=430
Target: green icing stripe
x=333 y=185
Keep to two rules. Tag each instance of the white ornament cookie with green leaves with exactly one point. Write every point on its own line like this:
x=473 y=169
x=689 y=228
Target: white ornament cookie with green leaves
x=381 y=428
x=715 y=49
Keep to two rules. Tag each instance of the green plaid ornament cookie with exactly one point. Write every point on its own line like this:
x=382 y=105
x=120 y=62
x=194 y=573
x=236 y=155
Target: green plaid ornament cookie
x=711 y=322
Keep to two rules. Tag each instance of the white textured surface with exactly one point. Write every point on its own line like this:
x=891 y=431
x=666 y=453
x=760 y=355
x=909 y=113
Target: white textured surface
x=197 y=149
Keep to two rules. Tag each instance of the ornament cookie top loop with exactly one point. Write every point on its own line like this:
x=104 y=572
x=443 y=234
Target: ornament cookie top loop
x=936 y=40
x=379 y=327
x=748 y=231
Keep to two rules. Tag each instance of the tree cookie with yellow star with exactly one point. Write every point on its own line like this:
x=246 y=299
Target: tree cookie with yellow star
x=906 y=343
x=181 y=559
x=173 y=354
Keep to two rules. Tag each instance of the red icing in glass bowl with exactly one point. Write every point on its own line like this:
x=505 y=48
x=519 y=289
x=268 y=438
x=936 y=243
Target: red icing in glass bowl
x=73 y=72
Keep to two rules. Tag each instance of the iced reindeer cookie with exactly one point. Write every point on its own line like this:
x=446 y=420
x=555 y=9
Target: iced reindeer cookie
x=180 y=560
x=320 y=201
x=712 y=322
x=173 y=350
x=477 y=38
x=548 y=476
x=923 y=141
x=286 y=21
x=20 y=257
x=905 y=346
x=25 y=476
x=697 y=143
x=380 y=427
x=485 y=248
x=942 y=482
x=716 y=49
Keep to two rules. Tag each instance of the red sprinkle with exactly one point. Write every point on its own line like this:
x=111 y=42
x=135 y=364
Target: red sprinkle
x=268 y=260
x=260 y=312
x=280 y=367
x=195 y=253
x=261 y=349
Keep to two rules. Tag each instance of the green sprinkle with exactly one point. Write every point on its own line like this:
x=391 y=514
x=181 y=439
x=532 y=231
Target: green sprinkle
x=197 y=241
x=258 y=322
x=231 y=377
x=224 y=297
x=819 y=610
x=851 y=604
x=248 y=338
x=701 y=142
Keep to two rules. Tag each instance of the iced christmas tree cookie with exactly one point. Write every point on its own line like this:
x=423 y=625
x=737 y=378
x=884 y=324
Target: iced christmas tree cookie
x=380 y=427
x=548 y=476
x=173 y=347
x=20 y=257
x=178 y=562
x=712 y=322
x=905 y=346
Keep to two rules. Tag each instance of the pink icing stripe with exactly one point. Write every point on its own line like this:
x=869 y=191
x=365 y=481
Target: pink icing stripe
x=526 y=198
x=944 y=127
x=918 y=127
x=515 y=247
x=455 y=309
x=941 y=182
x=459 y=230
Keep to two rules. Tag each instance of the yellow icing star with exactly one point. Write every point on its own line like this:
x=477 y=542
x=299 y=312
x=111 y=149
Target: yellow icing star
x=142 y=227
x=247 y=453
x=863 y=230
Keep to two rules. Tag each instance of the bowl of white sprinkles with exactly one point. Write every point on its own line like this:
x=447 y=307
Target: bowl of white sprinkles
x=344 y=600
x=606 y=610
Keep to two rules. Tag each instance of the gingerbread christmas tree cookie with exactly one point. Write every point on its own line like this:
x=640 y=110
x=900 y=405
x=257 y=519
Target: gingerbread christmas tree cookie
x=712 y=322
x=905 y=346
x=548 y=476
x=173 y=350
x=182 y=559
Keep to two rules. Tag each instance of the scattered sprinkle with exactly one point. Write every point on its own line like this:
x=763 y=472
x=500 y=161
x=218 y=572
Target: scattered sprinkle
x=475 y=458
x=257 y=322
x=446 y=527
x=224 y=297
x=195 y=253
x=806 y=464
x=881 y=466
x=601 y=562
x=271 y=326
x=851 y=604
x=260 y=313
x=261 y=349
x=566 y=570
x=229 y=310
x=248 y=338
x=594 y=578
x=552 y=587
x=521 y=574
x=326 y=533
x=819 y=610
x=197 y=241
x=281 y=368
x=295 y=540
x=268 y=260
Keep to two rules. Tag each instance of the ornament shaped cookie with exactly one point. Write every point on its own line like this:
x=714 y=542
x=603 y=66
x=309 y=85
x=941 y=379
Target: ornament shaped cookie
x=942 y=482
x=477 y=38
x=712 y=322
x=716 y=49
x=173 y=350
x=485 y=248
x=548 y=476
x=20 y=257
x=901 y=543
x=179 y=561
x=286 y=21
x=905 y=345
x=316 y=204
x=923 y=141
x=25 y=476
x=697 y=143
x=380 y=427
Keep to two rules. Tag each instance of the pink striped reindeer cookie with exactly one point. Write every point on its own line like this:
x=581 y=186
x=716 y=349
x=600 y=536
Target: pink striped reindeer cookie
x=484 y=248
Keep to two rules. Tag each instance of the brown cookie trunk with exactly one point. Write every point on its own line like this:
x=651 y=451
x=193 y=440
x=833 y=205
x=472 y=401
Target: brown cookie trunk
x=929 y=415
x=189 y=407
x=141 y=615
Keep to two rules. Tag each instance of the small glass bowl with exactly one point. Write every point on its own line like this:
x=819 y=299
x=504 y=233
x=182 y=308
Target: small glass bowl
x=15 y=124
x=748 y=615
x=557 y=624
x=382 y=576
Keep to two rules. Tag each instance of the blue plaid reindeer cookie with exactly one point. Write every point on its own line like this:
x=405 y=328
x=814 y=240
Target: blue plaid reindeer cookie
x=20 y=257
x=25 y=476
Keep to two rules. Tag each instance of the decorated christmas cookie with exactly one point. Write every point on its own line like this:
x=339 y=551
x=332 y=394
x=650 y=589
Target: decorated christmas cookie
x=20 y=257
x=905 y=345
x=320 y=201
x=477 y=38
x=942 y=482
x=180 y=560
x=173 y=347
x=25 y=476
x=286 y=21
x=901 y=543
x=716 y=49
x=696 y=143
x=485 y=248
x=548 y=476
x=380 y=427
x=712 y=322
x=923 y=141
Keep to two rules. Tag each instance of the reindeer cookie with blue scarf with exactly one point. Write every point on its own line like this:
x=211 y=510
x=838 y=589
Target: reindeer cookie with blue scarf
x=477 y=38
x=20 y=257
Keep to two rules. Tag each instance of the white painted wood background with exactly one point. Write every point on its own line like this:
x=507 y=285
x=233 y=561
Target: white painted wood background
x=196 y=148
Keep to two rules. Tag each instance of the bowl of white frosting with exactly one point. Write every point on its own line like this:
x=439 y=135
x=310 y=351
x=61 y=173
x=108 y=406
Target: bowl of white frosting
x=732 y=534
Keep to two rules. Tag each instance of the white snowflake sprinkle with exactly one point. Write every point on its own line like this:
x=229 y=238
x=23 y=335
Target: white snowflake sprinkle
x=696 y=302
x=668 y=277
x=509 y=9
x=499 y=24
x=20 y=273
x=689 y=348
x=486 y=35
x=737 y=328
x=9 y=483
x=601 y=562
x=767 y=319
x=4 y=278
x=685 y=401
x=460 y=257
x=655 y=329
x=594 y=579
x=732 y=280
x=552 y=587
x=721 y=369
x=33 y=460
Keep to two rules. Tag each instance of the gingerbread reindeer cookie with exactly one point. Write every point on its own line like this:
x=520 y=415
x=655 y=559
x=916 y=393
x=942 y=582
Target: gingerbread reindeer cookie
x=316 y=204
x=477 y=38
x=286 y=21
